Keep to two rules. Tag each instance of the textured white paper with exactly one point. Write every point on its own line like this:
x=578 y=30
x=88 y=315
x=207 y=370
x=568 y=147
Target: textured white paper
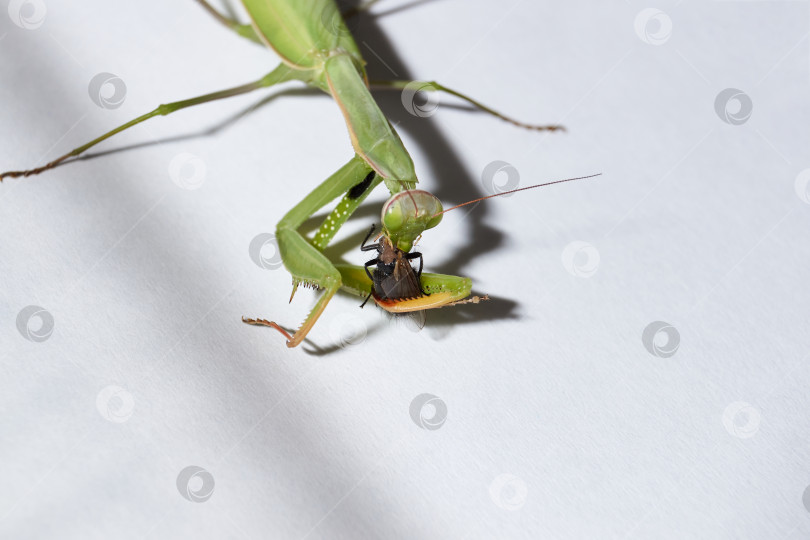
x=135 y=404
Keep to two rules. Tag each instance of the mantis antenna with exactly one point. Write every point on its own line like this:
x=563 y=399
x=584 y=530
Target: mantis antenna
x=515 y=191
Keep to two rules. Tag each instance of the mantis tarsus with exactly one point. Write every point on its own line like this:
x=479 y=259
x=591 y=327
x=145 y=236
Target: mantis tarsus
x=316 y=48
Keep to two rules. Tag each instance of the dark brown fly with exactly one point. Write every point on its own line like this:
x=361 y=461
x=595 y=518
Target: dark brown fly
x=394 y=278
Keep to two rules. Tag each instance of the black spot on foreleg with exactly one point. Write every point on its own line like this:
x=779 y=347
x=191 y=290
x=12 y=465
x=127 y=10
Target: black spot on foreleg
x=361 y=188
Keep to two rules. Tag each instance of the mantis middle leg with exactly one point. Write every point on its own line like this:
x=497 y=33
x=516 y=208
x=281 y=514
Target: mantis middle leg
x=433 y=86
x=279 y=75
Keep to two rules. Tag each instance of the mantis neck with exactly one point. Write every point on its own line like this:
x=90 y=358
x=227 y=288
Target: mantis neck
x=372 y=136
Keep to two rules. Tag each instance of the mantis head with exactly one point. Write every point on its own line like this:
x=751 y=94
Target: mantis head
x=407 y=214
x=404 y=217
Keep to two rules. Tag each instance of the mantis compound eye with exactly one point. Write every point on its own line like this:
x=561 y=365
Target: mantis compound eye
x=408 y=214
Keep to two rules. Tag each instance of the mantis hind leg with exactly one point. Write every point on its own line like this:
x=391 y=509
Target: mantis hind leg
x=304 y=259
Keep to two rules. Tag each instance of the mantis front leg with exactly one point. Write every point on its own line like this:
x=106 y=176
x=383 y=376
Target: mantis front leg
x=304 y=259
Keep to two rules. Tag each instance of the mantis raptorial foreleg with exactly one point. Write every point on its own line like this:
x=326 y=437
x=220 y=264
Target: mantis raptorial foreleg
x=303 y=259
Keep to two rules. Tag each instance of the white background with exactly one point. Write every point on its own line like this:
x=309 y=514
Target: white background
x=695 y=222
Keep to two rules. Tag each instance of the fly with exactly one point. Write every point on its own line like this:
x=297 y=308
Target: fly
x=393 y=279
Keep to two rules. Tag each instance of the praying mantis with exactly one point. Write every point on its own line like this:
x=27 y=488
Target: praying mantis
x=317 y=49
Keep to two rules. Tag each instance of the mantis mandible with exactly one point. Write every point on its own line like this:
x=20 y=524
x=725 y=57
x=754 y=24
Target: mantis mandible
x=316 y=48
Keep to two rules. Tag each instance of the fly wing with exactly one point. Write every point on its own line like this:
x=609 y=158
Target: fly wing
x=417 y=319
x=407 y=285
x=403 y=283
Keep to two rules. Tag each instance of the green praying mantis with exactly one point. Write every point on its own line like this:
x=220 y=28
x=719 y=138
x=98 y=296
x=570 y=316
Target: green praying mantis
x=316 y=48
